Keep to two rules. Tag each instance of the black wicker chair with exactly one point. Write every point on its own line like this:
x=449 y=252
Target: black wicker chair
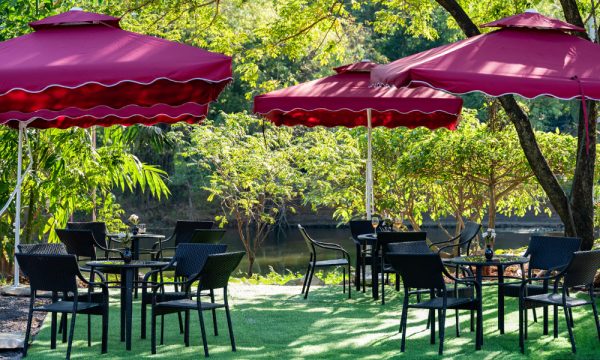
x=580 y=271
x=313 y=263
x=42 y=249
x=545 y=253
x=98 y=228
x=461 y=244
x=213 y=275
x=207 y=236
x=188 y=259
x=183 y=233
x=83 y=244
x=363 y=255
x=380 y=268
x=426 y=271
x=59 y=274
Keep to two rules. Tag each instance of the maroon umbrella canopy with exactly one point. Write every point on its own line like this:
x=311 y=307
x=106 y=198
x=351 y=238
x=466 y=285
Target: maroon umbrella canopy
x=343 y=100
x=82 y=69
x=531 y=55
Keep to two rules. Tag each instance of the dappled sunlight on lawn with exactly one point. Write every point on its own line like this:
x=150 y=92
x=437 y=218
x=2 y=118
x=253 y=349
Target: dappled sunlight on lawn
x=275 y=322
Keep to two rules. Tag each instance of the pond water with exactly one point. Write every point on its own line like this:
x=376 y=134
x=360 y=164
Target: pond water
x=286 y=250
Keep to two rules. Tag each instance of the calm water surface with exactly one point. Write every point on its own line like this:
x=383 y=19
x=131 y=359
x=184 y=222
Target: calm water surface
x=286 y=250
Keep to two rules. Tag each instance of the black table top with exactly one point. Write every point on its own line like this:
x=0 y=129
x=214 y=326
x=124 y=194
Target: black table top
x=480 y=260
x=121 y=264
x=139 y=235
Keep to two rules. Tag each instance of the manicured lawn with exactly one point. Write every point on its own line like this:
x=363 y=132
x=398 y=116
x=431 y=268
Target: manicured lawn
x=274 y=322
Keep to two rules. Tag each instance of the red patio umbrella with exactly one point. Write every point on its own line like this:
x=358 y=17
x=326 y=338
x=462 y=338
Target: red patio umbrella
x=81 y=69
x=530 y=55
x=347 y=99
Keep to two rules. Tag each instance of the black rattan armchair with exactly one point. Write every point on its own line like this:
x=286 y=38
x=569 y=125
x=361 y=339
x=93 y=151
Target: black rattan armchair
x=183 y=233
x=580 y=271
x=187 y=262
x=380 y=268
x=83 y=244
x=545 y=253
x=98 y=229
x=461 y=244
x=59 y=274
x=313 y=263
x=426 y=271
x=214 y=275
x=42 y=249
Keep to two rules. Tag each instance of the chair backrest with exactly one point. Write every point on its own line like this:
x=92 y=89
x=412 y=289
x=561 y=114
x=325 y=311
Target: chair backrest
x=421 y=271
x=207 y=236
x=359 y=227
x=409 y=247
x=583 y=268
x=50 y=272
x=184 y=229
x=81 y=243
x=466 y=237
x=549 y=252
x=42 y=249
x=307 y=239
x=192 y=257
x=98 y=228
x=388 y=237
x=218 y=269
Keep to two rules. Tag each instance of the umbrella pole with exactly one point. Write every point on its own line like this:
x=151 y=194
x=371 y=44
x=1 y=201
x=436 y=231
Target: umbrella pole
x=369 y=187
x=18 y=201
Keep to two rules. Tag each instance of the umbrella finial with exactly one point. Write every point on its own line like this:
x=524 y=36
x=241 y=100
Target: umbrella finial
x=76 y=8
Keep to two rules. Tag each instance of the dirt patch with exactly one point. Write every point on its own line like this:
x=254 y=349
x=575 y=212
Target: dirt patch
x=13 y=318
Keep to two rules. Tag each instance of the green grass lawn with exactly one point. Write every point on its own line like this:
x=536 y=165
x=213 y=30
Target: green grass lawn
x=275 y=322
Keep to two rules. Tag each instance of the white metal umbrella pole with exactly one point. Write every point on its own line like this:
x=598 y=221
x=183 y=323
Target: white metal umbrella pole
x=18 y=199
x=369 y=186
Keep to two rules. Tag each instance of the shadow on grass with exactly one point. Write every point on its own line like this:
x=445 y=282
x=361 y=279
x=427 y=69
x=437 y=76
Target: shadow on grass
x=275 y=322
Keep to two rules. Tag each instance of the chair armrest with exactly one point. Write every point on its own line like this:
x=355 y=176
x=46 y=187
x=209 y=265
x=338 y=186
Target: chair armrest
x=332 y=246
x=101 y=284
x=444 y=241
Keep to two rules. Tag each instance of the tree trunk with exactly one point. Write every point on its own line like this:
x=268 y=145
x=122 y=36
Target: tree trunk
x=577 y=212
x=251 y=259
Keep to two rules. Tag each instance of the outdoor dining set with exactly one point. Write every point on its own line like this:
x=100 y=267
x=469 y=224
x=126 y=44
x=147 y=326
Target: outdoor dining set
x=199 y=266
x=447 y=275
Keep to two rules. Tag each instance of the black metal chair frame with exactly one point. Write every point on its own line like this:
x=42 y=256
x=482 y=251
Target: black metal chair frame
x=313 y=263
x=190 y=257
x=580 y=271
x=423 y=265
x=539 y=249
x=462 y=242
x=59 y=274
x=182 y=233
x=214 y=275
x=98 y=229
x=384 y=239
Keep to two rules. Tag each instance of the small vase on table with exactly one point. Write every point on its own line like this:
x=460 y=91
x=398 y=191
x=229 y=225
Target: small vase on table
x=489 y=237
x=127 y=255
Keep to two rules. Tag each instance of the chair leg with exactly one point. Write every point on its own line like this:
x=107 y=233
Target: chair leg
x=555 y=321
x=442 y=326
x=89 y=330
x=364 y=275
x=28 y=331
x=153 y=332
x=382 y=285
x=311 y=273
x=521 y=336
x=456 y=317
x=397 y=281
x=570 y=328
x=64 y=326
x=344 y=280
x=230 y=326
x=70 y=344
x=432 y=329
x=545 y=314
x=596 y=317
x=305 y=282
x=162 y=330
x=203 y=331
x=143 y=316
x=403 y=321
x=105 y=330
x=214 y=313
x=526 y=323
x=186 y=331
x=53 y=330
x=472 y=321
x=349 y=286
